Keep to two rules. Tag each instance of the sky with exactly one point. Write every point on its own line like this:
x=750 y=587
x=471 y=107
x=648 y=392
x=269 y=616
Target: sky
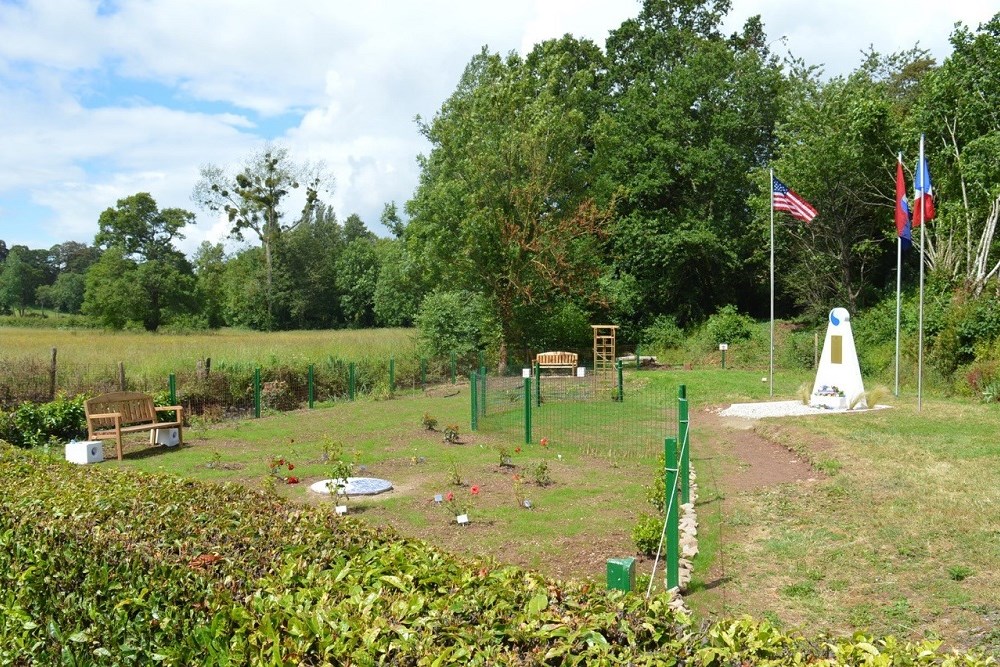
x=101 y=99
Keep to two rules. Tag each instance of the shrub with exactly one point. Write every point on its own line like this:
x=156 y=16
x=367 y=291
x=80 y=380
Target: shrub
x=646 y=533
x=34 y=424
x=663 y=334
x=729 y=326
x=458 y=322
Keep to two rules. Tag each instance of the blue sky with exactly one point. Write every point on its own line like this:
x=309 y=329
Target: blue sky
x=103 y=99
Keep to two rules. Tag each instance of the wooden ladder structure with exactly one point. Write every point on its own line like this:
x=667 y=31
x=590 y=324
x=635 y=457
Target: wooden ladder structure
x=604 y=355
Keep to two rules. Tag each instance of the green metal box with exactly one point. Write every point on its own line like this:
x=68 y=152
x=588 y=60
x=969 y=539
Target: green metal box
x=621 y=573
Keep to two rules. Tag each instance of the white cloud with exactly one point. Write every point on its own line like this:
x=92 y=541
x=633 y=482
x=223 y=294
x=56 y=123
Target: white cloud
x=102 y=104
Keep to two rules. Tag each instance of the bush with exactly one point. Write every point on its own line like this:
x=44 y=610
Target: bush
x=729 y=326
x=662 y=335
x=34 y=424
x=458 y=322
x=646 y=533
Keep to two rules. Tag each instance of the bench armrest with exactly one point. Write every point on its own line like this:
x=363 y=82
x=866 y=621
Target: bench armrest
x=169 y=408
x=106 y=415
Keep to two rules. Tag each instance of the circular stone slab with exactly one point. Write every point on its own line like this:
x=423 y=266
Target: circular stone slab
x=356 y=486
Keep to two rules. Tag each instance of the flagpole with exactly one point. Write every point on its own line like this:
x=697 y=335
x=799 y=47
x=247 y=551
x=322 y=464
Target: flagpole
x=920 y=326
x=899 y=269
x=770 y=374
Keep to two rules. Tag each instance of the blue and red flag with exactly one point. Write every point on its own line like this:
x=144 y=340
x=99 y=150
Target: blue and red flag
x=923 y=193
x=903 y=220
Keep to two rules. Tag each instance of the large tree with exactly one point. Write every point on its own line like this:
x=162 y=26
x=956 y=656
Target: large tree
x=691 y=114
x=254 y=200
x=145 y=279
x=19 y=279
x=503 y=206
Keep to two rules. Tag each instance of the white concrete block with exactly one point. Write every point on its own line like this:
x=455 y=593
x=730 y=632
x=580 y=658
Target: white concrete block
x=164 y=436
x=87 y=451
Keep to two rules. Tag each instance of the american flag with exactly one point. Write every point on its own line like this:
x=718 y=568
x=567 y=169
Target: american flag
x=785 y=199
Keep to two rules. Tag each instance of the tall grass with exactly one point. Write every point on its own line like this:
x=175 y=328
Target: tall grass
x=161 y=354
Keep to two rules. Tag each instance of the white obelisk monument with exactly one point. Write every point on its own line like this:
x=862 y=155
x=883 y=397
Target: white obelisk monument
x=838 y=379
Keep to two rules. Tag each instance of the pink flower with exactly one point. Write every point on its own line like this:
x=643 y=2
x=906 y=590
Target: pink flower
x=475 y=490
x=450 y=497
x=544 y=442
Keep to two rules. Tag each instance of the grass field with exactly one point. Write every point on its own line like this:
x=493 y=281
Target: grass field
x=161 y=354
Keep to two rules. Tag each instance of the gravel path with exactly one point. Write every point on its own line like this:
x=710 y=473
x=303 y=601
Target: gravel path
x=780 y=409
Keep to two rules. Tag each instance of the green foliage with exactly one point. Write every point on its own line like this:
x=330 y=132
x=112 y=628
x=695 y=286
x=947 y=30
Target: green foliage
x=429 y=422
x=728 y=325
x=35 y=424
x=451 y=433
x=455 y=322
x=540 y=473
x=662 y=335
x=646 y=533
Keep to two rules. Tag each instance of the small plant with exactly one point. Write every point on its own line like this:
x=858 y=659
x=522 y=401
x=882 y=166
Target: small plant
x=541 y=474
x=876 y=395
x=429 y=422
x=277 y=469
x=646 y=534
x=451 y=433
x=505 y=460
x=959 y=572
x=804 y=391
x=332 y=449
x=460 y=505
x=270 y=485
x=216 y=462
x=519 y=490
x=456 y=477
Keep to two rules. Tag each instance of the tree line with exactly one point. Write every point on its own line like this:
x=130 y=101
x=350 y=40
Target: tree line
x=576 y=183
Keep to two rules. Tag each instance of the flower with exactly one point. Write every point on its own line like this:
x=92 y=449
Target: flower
x=292 y=480
x=450 y=497
x=291 y=466
x=475 y=489
x=544 y=442
x=517 y=450
x=516 y=478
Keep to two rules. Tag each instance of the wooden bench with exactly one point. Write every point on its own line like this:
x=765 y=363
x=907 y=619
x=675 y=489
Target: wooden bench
x=111 y=415
x=553 y=360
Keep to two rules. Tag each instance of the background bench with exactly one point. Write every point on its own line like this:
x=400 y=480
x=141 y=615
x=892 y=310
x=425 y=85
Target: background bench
x=553 y=360
x=111 y=415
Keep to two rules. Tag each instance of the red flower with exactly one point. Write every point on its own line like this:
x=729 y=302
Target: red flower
x=281 y=462
x=450 y=496
x=516 y=478
x=291 y=466
x=544 y=442
x=517 y=450
x=475 y=490
x=292 y=480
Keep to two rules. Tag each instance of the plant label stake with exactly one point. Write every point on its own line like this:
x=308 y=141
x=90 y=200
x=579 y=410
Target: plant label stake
x=462 y=519
x=527 y=504
x=438 y=498
x=341 y=509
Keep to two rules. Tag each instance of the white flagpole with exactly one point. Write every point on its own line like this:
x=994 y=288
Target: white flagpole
x=770 y=374
x=920 y=335
x=899 y=267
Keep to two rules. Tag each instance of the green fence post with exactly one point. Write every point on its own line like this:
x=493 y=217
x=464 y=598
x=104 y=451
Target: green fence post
x=392 y=374
x=312 y=386
x=172 y=385
x=256 y=392
x=621 y=386
x=423 y=372
x=454 y=368
x=474 y=394
x=350 y=381
x=684 y=436
x=538 y=384
x=527 y=411
x=482 y=359
x=673 y=525
x=482 y=392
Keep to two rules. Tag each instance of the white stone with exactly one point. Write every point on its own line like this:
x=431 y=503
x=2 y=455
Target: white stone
x=169 y=437
x=87 y=451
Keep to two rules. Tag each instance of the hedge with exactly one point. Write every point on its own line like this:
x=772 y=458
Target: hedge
x=110 y=567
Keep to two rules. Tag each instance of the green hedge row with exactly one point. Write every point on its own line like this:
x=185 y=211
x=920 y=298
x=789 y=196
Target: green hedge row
x=103 y=566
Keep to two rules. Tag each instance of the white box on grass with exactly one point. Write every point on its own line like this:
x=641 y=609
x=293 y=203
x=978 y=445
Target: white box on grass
x=88 y=451
x=164 y=436
x=581 y=371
